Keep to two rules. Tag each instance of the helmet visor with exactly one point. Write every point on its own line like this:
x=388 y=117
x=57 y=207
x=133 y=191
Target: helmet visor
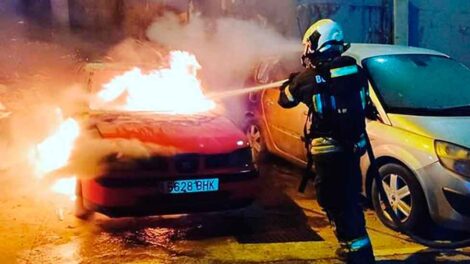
x=313 y=40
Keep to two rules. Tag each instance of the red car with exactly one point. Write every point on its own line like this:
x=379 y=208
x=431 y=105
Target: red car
x=213 y=169
x=198 y=162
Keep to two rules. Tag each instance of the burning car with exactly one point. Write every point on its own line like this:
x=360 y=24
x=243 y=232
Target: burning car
x=197 y=160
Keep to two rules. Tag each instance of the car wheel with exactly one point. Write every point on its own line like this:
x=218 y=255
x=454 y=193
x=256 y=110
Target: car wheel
x=80 y=210
x=406 y=198
x=255 y=137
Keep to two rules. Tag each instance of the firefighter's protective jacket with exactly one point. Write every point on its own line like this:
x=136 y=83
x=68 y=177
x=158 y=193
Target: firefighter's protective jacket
x=336 y=93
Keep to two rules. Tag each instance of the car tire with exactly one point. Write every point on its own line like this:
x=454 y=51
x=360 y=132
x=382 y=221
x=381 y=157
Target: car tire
x=256 y=139
x=405 y=195
x=80 y=211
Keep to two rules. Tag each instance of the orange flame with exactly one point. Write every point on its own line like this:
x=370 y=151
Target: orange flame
x=175 y=89
x=54 y=152
x=65 y=186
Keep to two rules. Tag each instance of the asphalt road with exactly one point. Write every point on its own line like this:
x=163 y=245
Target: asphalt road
x=282 y=227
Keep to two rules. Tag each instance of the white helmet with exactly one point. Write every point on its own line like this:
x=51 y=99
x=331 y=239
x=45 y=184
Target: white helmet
x=324 y=35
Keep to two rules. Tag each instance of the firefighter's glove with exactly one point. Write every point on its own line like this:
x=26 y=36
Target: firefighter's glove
x=292 y=76
x=284 y=85
x=289 y=80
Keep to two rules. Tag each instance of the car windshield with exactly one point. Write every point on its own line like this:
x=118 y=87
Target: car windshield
x=421 y=84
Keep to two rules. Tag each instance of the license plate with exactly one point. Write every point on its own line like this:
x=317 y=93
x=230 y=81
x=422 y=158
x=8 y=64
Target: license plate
x=191 y=186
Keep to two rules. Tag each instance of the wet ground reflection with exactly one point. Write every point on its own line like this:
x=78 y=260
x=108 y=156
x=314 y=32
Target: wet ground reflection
x=275 y=218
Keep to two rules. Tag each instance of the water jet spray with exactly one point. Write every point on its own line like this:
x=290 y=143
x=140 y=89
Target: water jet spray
x=241 y=91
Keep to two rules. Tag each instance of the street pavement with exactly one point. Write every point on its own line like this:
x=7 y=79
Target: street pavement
x=284 y=226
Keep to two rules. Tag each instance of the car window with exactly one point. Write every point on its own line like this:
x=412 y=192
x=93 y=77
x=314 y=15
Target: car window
x=278 y=68
x=263 y=72
x=421 y=84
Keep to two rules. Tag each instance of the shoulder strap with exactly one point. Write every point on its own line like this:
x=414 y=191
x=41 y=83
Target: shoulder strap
x=308 y=174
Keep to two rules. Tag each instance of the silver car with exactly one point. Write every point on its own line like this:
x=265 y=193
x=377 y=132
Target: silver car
x=420 y=131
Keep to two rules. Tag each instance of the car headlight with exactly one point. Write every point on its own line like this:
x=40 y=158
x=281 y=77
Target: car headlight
x=453 y=157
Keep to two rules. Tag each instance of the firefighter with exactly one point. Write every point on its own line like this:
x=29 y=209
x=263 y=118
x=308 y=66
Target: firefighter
x=334 y=88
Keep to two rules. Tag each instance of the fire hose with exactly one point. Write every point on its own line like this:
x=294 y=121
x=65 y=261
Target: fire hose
x=438 y=244
x=254 y=89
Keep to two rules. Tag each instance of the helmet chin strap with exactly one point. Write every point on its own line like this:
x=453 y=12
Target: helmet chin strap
x=305 y=61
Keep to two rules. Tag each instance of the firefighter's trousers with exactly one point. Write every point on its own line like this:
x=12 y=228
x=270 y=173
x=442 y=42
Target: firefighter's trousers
x=338 y=187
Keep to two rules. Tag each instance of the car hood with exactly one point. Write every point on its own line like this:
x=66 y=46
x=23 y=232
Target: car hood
x=450 y=129
x=206 y=134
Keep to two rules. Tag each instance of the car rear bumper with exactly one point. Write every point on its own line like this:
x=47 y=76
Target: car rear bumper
x=448 y=196
x=142 y=196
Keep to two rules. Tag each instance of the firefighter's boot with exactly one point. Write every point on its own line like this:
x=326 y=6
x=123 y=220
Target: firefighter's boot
x=358 y=251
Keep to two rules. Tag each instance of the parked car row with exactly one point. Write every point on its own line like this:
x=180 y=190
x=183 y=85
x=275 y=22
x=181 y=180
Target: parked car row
x=419 y=133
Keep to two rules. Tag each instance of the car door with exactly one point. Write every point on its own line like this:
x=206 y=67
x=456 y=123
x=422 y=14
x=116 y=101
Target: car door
x=285 y=126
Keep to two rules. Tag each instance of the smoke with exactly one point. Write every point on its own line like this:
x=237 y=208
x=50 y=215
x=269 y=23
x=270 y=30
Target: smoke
x=132 y=53
x=227 y=48
x=40 y=76
x=91 y=151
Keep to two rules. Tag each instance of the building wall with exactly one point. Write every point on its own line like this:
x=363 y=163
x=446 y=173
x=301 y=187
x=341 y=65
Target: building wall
x=367 y=21
x=436 y=24
x=60 y=9
x=100 y=15
x=132 y=17
x=441 y=25
x=37 y=10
